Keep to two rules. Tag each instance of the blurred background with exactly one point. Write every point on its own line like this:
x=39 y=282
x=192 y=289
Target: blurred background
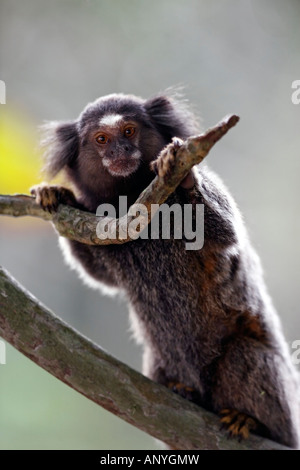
x=234 y=56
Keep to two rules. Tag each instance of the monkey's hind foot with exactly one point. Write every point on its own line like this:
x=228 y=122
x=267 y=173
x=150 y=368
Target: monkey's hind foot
x=237 y=424
x=49 y=197
x=186 y=392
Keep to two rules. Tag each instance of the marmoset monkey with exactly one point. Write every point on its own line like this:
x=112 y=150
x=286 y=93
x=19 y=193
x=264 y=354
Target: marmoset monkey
x=206 y=322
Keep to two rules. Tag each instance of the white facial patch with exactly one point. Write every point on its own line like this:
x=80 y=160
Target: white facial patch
x=110 y=120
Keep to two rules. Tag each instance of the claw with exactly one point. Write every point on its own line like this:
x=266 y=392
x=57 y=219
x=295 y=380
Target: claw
x=238 y=425
x=188 y=393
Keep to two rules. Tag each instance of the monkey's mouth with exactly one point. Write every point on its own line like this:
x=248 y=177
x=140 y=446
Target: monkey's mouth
x=121 y=166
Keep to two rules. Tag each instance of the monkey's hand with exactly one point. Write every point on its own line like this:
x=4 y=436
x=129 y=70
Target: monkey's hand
x=49 y=197
x=166 y=161
x=237 y=424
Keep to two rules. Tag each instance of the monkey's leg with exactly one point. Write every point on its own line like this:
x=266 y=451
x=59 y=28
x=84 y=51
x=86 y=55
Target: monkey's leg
x=49 y=197
x=252 y=389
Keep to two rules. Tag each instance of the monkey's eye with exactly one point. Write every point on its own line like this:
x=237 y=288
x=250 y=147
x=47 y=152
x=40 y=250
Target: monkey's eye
x=102 y=139
x=129 y=131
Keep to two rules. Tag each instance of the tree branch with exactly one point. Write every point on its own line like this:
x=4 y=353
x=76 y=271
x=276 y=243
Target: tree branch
x=81 y=226
x=52 y=344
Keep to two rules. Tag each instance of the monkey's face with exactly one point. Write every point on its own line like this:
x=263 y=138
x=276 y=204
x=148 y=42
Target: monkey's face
x=109 y=147
x=117 y=137
x=116 y=142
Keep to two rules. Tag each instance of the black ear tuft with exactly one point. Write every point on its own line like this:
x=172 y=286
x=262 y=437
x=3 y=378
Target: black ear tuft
x=171 y=117
x=61 y=141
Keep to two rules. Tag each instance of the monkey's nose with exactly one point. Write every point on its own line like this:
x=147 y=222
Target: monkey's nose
x=119 y=151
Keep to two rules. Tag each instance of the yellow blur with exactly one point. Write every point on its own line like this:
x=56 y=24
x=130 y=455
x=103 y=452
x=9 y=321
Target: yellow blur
x=20 y=160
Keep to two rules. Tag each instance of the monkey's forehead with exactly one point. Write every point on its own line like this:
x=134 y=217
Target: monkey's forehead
x=110 y=109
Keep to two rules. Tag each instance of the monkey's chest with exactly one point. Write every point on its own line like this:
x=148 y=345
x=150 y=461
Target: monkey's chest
x=167 y=288
x=170 y=291
x=176 y=297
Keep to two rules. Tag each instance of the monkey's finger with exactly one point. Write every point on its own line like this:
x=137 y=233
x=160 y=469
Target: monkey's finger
x=177 y=142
